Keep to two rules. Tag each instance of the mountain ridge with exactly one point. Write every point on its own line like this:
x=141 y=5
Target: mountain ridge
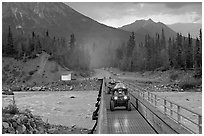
x=148 y=27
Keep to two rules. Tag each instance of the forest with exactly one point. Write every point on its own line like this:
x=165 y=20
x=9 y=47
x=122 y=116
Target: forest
x=154 y=53
x=157 y=52
x=66 y=53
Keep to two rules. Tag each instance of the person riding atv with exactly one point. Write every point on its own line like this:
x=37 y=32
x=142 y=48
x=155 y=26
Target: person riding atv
x=111 y=85
x=120 y=97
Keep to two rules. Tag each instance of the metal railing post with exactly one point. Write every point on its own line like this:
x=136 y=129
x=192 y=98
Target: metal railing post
x=200 y=124
x=155 y=100
x=171 y=108
x=136 y=103
x=148 y=96
x=151 y=98
x=164 y=106
x=178 y=114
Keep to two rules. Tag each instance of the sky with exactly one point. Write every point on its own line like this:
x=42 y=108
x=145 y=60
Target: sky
x=117 y=14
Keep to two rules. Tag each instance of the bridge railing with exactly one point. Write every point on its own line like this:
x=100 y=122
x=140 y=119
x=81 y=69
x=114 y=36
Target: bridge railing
x=100 y=113
x=102 y=117
x=180 y=114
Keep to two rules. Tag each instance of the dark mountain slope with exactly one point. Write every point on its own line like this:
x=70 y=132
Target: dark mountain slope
x=61 y=20
x=148 y=27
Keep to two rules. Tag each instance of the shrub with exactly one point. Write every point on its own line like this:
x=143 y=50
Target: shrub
x=32 y=72
x=189 y=83
x=11 y=108
x=6 y=68
x=16 y=73
x=198 y=73
x=174 y=76
x=27 y=78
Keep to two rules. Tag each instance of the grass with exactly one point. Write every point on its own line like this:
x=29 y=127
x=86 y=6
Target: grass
x=174 y=76
x=190 y=83
x=27 y=78
x=6 y=68
x=11 y=108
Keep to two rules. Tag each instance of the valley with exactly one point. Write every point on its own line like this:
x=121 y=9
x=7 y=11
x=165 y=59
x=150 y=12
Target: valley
x=54 y=55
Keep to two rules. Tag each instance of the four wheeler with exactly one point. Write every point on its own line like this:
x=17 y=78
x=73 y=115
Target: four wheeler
x=111 y=85
x=120 y=97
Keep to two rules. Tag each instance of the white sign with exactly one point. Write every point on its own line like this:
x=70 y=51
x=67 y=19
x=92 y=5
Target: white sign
x=66 y=77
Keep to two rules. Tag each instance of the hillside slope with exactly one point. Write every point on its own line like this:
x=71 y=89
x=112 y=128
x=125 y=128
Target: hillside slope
x=61 y=21
x=38 y=71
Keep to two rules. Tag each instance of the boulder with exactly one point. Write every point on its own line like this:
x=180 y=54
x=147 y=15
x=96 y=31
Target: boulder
x=5 y=125
x=15 y=125
x=52 y=130
x=19 y=129
x=11 y=130
x=72 y=97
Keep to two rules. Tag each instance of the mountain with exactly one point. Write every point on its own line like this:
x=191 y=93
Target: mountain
x=185 y=28
x=57 y=17
x=61 y=21
x=144 y=27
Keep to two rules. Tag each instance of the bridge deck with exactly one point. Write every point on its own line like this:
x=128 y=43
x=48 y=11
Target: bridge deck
x=121 y=121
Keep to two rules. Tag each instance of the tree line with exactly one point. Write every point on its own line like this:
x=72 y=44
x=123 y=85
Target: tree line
x=66 y=53
x=157 y=52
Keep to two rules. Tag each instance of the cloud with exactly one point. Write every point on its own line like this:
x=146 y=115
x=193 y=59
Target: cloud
x=121 y=13
x=174 y=5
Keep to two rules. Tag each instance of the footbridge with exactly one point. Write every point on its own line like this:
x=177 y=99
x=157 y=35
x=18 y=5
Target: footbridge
x=150 y=114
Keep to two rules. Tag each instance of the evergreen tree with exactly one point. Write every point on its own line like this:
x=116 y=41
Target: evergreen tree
x=179 y=51
x=72 y=41
x=200 y=49
x=131 y=45
x=156 y=52
x=148 y=51
x=163 y=40
x=119 y=53
x=189 y=55
x=170 y=52
x=198 y=57
x=47 y=33
x=174 y=53
x=185 y=52
x=10 y=44
x=32 y=47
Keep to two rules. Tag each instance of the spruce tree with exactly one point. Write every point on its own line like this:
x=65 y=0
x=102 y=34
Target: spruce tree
x=72 y=41
x=170 y=52
x=198 y=59
x=163 y=40
x=189 y=55
x=10 y=46
x=179 y=51
x=131 y=45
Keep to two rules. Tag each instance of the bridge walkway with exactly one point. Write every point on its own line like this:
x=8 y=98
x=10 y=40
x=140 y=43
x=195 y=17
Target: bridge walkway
x=121 y=121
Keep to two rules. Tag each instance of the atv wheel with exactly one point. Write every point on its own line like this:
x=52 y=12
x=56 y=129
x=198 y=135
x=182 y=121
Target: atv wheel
x=128 y=107
x=109 y=90
x=112 y=105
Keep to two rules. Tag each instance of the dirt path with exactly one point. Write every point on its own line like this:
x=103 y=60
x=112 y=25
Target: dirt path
x=100 y=73
x=43 y=62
